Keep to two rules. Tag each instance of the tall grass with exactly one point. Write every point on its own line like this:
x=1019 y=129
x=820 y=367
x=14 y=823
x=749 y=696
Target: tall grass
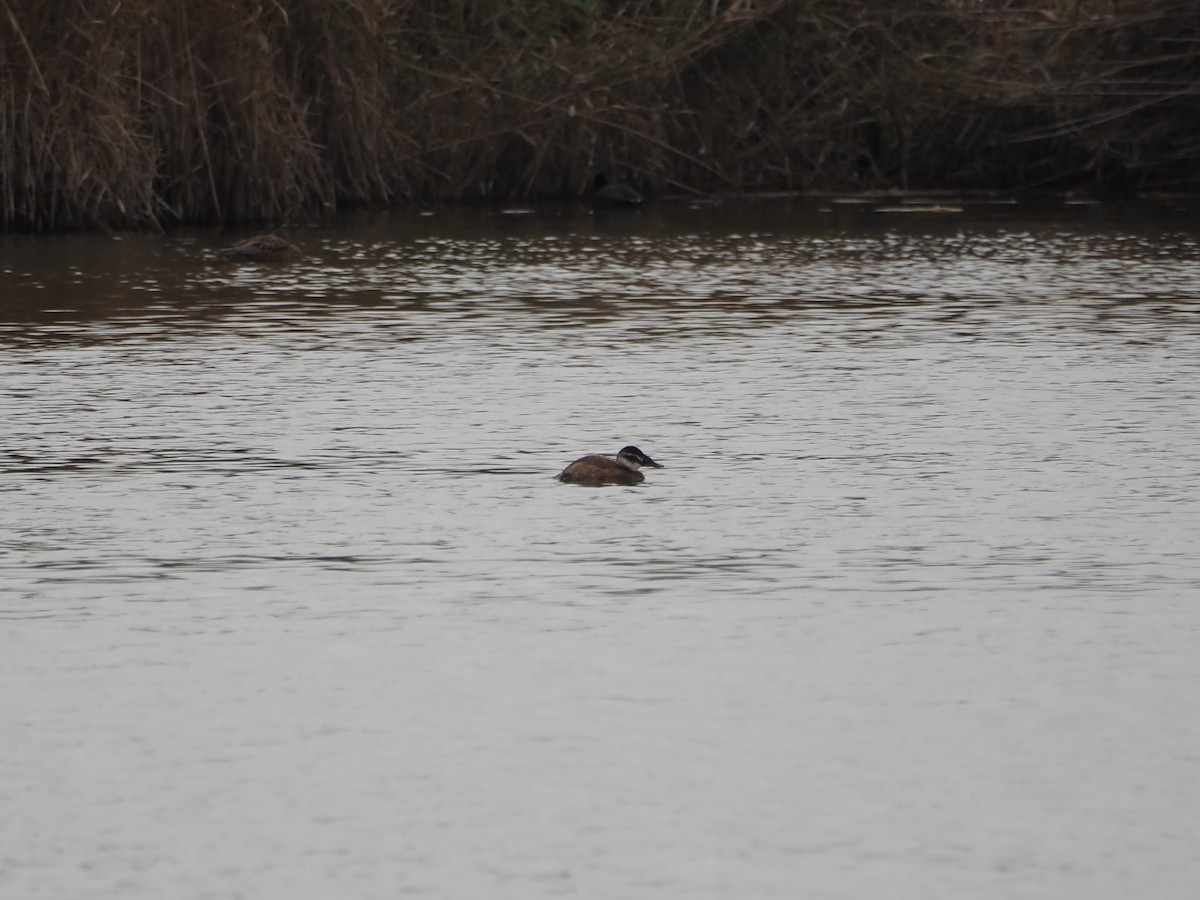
x=148 y=112
x=136 y=113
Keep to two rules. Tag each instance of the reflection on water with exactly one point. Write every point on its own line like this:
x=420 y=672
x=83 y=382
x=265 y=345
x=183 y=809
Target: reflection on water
x=296 y=608
x=713 y=268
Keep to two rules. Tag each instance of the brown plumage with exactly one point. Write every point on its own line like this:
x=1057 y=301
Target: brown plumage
x=263 y=248
x=596 y=470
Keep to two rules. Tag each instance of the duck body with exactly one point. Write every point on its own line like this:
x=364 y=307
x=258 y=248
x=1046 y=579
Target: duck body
x=596 y=469
x=613 y=196
x=262 y=248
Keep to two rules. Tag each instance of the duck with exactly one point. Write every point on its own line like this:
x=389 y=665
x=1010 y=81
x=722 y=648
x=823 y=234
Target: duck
x=597 y=469
x=262 y=248
x=613 y=196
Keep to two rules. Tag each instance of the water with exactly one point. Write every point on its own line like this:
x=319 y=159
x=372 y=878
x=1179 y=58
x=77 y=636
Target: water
x=293 y=607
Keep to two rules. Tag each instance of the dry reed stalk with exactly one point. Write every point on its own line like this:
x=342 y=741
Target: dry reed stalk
x=153 y=112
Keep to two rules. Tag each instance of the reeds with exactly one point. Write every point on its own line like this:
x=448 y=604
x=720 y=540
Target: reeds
x=147 y=113
x=128 y=113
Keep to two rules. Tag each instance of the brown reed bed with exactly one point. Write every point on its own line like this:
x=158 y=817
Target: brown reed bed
x=148 y=113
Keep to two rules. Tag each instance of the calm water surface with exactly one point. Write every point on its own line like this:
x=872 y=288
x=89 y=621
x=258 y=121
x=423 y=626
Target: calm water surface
x=292 y=606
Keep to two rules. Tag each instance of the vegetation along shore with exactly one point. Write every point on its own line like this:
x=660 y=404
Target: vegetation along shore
x=152 y=113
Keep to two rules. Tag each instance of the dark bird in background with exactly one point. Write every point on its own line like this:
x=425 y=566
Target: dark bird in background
x=606 y=195
x=262 y=248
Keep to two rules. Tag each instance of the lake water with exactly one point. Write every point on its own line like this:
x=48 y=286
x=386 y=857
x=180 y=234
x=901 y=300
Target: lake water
x=291 y=604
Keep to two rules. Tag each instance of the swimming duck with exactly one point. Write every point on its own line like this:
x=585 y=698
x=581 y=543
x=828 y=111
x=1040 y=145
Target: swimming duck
x=595 y=470
x=613 y=196
x=262 y=248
